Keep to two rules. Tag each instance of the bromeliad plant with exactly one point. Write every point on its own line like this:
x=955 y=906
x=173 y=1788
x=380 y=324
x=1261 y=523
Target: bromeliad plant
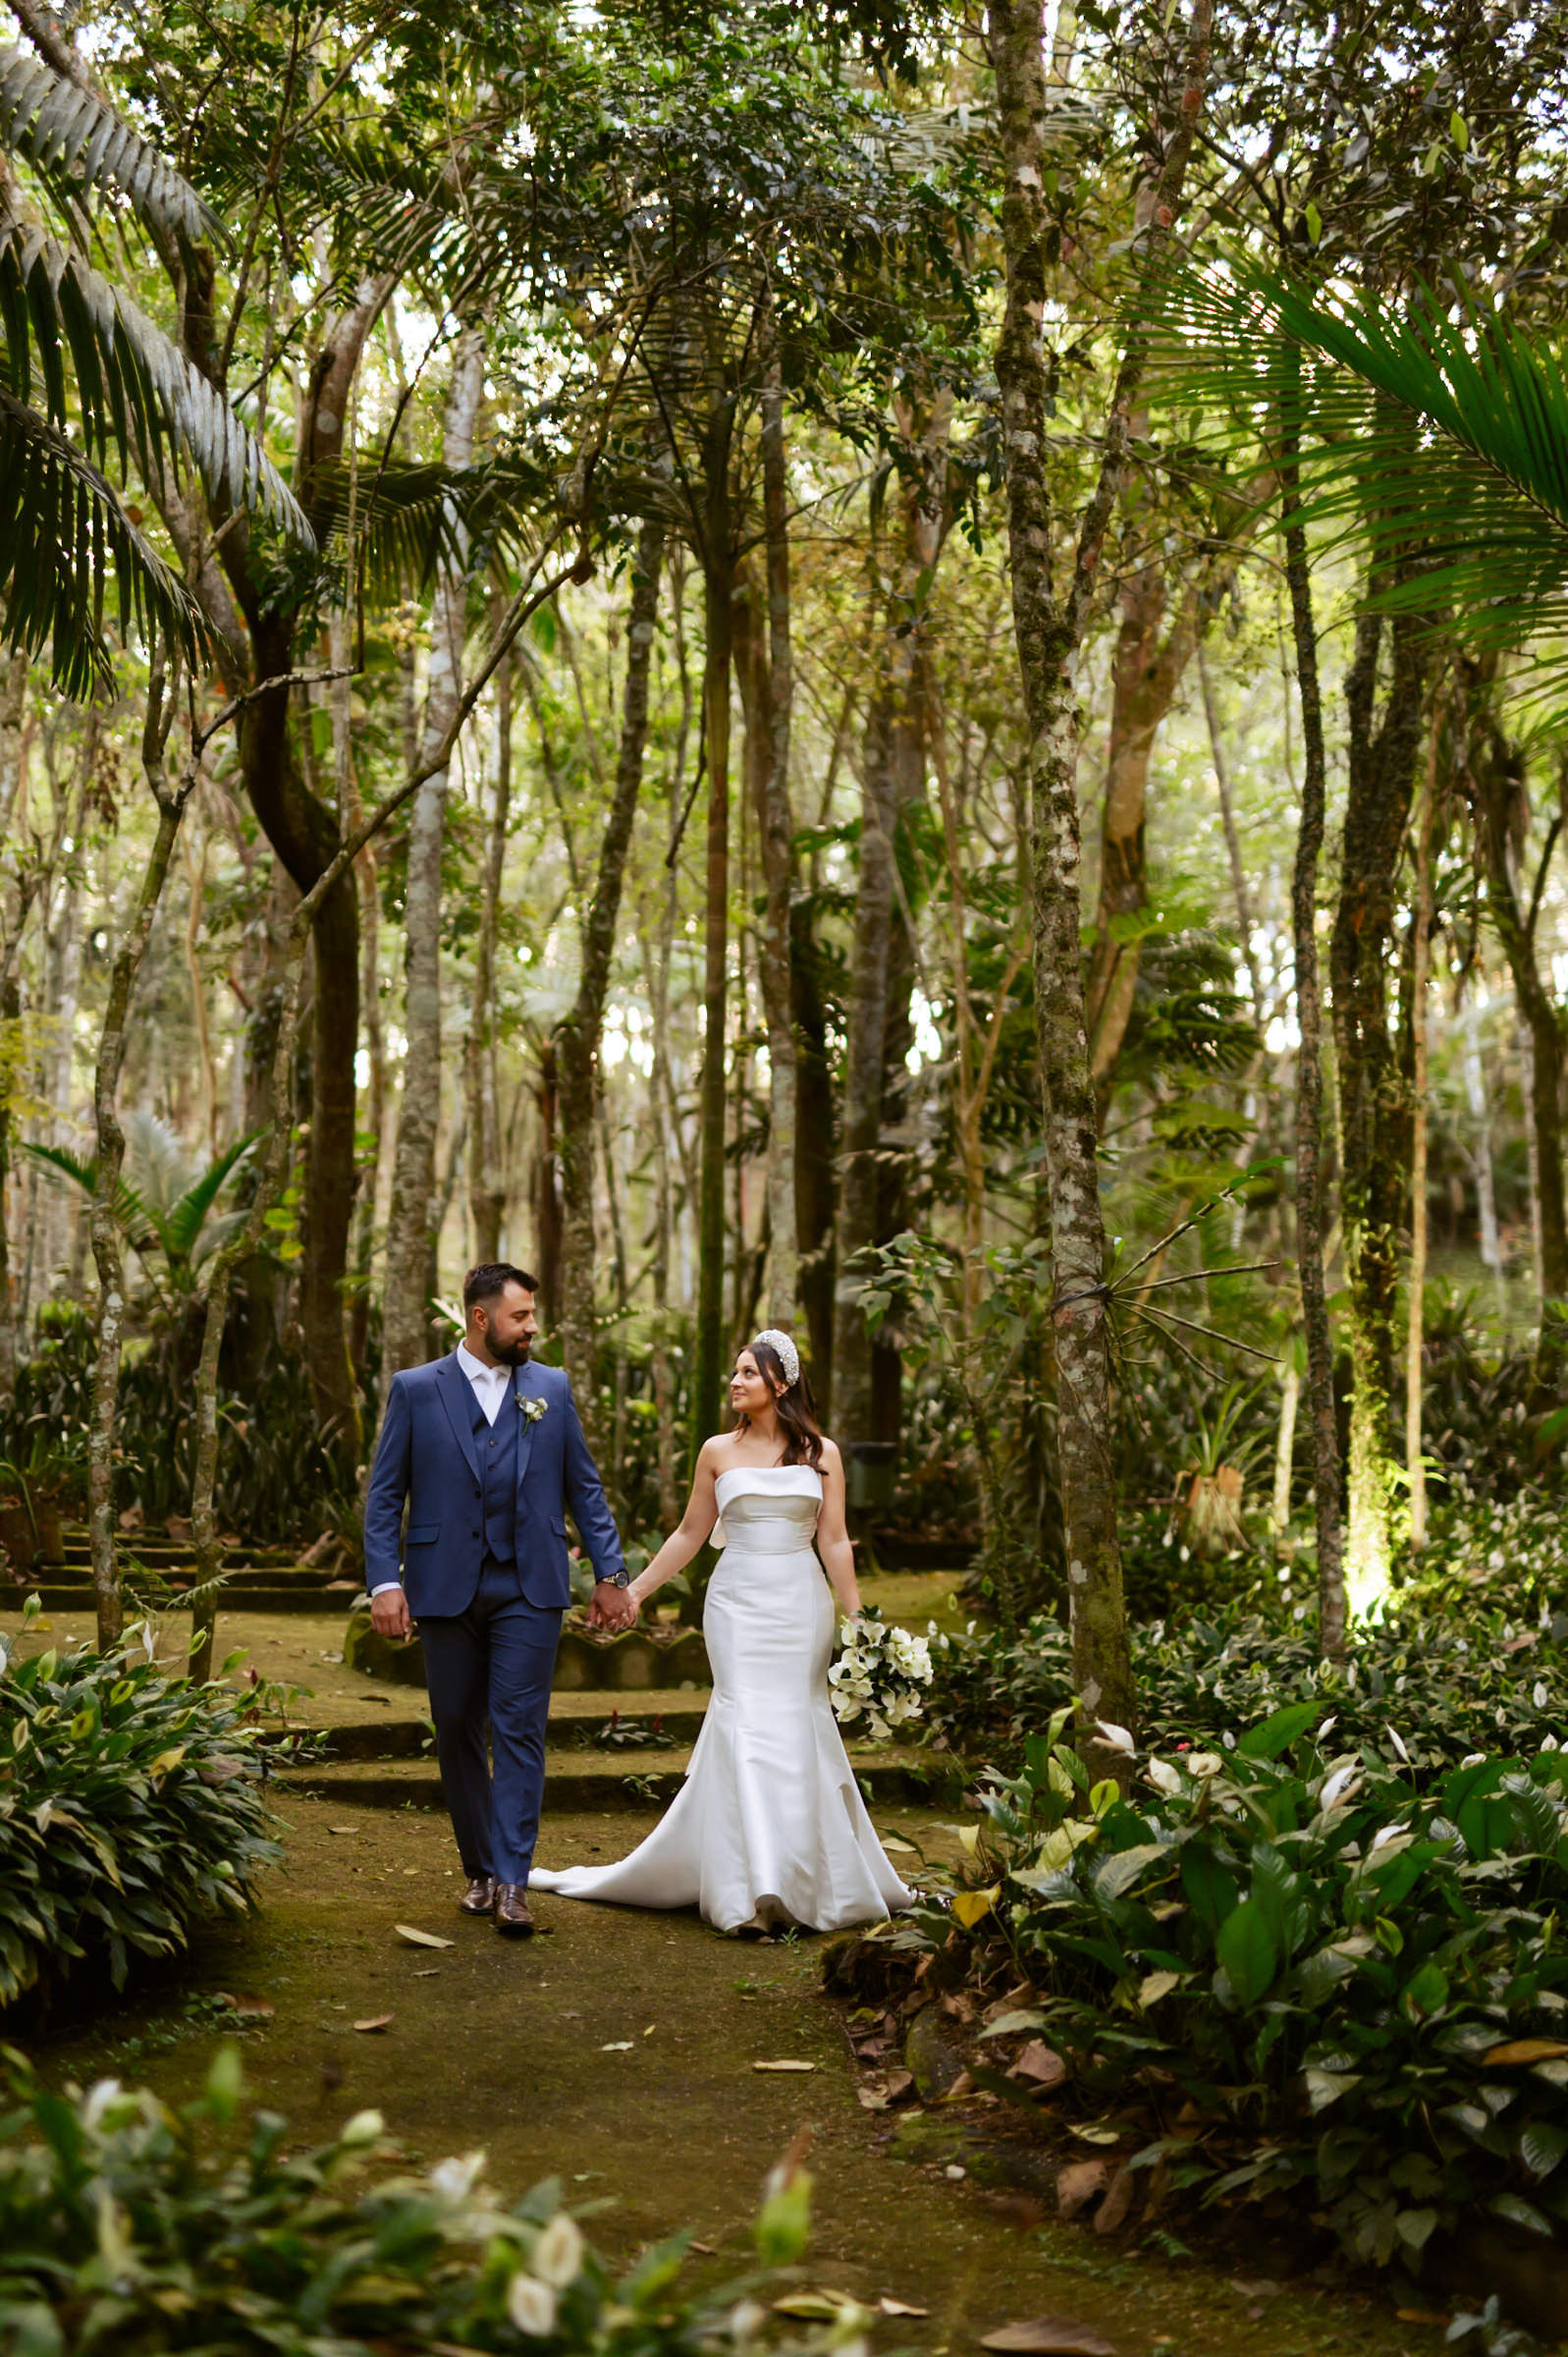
x=126 y=2226
x=1300 y=1974
x=131 y=1809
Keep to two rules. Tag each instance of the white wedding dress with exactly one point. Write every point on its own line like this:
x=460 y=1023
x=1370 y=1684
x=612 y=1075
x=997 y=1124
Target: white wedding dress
x=769 y=1827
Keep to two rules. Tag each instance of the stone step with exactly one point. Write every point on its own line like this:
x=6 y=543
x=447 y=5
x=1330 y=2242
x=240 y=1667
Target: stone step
x=596 y=1780
x=647 y=1661
x=74 y=1596
x=578 y=1723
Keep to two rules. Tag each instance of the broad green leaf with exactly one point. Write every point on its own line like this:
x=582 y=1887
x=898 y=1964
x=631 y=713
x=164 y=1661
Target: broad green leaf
x=1281 y=1730
x=1246 y=1950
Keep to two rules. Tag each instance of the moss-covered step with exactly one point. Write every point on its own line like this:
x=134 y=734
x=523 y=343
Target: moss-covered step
x=645 y=1661
x=599 y=1780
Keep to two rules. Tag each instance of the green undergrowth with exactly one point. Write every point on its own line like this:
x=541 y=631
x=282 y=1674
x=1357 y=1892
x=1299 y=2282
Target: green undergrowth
x=1470 y=1654
x=126 y=2226
x=130 y=1810
x=1297 y=1971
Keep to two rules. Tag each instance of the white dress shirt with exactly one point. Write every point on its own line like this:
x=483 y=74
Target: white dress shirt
x=490 y=1384
x=490 y=1387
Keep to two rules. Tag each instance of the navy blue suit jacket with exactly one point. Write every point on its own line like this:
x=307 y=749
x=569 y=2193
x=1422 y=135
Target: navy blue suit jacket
x=427 y=1456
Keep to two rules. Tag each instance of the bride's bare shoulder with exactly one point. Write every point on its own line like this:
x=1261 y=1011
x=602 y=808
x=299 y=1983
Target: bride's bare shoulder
x=830 y=1451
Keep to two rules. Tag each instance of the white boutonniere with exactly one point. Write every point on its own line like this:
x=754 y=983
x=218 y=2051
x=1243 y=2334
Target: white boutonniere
x=530 y=1406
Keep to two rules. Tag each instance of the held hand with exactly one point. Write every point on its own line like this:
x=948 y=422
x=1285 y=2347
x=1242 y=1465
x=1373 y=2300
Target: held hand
x=389 y=1613
x=611 y=1608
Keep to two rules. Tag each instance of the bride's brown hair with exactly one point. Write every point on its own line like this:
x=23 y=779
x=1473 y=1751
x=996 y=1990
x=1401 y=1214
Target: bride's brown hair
x=793 y=1407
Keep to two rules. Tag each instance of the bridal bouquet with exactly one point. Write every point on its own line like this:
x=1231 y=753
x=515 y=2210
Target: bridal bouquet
x=882 y=1674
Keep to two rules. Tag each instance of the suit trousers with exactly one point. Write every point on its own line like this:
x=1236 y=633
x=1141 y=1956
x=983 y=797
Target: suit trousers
x=493 y=1663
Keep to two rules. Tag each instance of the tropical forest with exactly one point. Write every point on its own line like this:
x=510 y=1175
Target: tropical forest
x=828 y=725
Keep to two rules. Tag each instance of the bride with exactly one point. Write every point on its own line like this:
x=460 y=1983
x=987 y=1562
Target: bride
x=769 y=1827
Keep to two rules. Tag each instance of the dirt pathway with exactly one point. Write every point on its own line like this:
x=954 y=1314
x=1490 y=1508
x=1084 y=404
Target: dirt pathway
x=618 y=2053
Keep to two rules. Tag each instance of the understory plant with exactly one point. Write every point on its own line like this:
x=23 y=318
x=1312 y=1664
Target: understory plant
x=130 y=1810
x=126 y=2226
x=1293 y=1971
x=1419 y=1688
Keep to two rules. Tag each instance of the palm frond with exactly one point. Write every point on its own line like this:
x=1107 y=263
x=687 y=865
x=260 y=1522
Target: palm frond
x=134 y=389
x=183 y=1224
x=130 y=1211
x=69 y=132
x=411 y=516
x=1439 y=446
x=62 y=534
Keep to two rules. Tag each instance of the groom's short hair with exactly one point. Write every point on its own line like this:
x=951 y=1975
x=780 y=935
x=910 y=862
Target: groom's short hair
x=490 y=1280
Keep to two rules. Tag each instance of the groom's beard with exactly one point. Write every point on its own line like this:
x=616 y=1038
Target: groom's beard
x=510 y=1354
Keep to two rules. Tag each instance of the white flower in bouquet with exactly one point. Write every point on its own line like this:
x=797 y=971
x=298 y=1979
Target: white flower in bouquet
x=879 y=1674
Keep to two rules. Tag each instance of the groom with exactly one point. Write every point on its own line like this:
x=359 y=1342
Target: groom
x=487 y=1452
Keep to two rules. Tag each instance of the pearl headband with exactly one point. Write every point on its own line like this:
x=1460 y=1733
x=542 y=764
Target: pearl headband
x=785 y=1350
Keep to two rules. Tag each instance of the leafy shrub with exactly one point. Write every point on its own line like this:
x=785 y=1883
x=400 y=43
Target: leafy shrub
x=1303 y=1972
x=1421 y=1688
x=129 y=1809
x=124 y=2226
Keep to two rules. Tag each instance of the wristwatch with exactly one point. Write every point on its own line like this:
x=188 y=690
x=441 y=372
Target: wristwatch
x=617 y=1579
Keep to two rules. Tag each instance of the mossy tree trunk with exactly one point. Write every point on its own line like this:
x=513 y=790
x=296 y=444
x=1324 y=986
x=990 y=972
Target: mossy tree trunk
x=577 y=1034
x=1050 y=631
x=406 y=1312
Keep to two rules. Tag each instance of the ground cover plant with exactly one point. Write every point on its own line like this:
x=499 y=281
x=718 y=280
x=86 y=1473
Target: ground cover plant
x=1295 y=1973
x=130 y=1810
x=1468 y=1655
x=126 y=2226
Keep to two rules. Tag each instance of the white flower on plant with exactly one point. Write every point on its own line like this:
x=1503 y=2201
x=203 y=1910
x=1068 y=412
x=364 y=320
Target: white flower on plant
x=1117 y=1737
x=1164 y=1777
x=1538 y=1694
x=454 y=2179
x=531 y=2305
x=1386 y=1832
x=1474 y=1759
x=1549 y=1742
x=1397 y=1741
x=746 y=2320
x=1204 y=1763
x=557 y=2256
x=102 y=2096
x=1336 y=1786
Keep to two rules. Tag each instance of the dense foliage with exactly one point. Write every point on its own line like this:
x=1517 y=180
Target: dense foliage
x=130 y=1810
x=1299 y=1972
x=127 y=2226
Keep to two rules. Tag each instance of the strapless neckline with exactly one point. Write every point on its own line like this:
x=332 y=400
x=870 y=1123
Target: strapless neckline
x=768 y=1474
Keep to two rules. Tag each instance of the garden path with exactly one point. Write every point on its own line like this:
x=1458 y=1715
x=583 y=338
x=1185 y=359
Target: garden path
x=618 y=2053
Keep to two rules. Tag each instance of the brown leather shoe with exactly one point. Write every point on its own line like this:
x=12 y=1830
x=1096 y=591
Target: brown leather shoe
x=511 y=1911
x=480 y=1896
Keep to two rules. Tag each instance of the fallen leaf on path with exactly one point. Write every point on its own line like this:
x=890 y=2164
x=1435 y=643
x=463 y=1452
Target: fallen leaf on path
x=1264 y=2289
x=342 y=1829
x=417 y=1938
x=1052 y=2336
x=706 y=2248
x=962 y=2085
x=649 y=2031
x=1526 y=2049
x=899 y=2308
x=428 y=1973
x=891 y=1842
x=1094 y=2135
x=1040 y=2064
x=256 y=2009
x=377 y=2021
x=1004 y=2025
x=819 y=2307
x=1078 y=2183
x=1112 y=2211
x=784 y=2066
x=618 y=2046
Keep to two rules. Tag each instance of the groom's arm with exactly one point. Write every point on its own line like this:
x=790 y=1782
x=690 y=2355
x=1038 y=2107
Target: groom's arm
x=385 y=1493
x=586 y=1498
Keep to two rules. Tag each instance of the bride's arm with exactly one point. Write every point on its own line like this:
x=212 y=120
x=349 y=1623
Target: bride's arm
x=702 y=1512
x=833 y=1538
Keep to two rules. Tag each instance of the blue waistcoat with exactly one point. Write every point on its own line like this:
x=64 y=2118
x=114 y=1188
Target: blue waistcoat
x=497 y=1445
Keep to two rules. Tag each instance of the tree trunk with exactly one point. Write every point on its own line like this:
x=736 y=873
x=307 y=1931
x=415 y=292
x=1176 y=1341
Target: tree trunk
x=487 y=1193
x=892 y=775
x=776 y=834
x=577 y=1034
x=1310 y=1214
x=111 y=1147
x=816 y=1150
x=1416 y=1283
x=1497 y=791
x=718 y=584
x=406 y=1312
x=1373 y=1097
x=1050 y=635
x=1227 y=815
x=1146 y=674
